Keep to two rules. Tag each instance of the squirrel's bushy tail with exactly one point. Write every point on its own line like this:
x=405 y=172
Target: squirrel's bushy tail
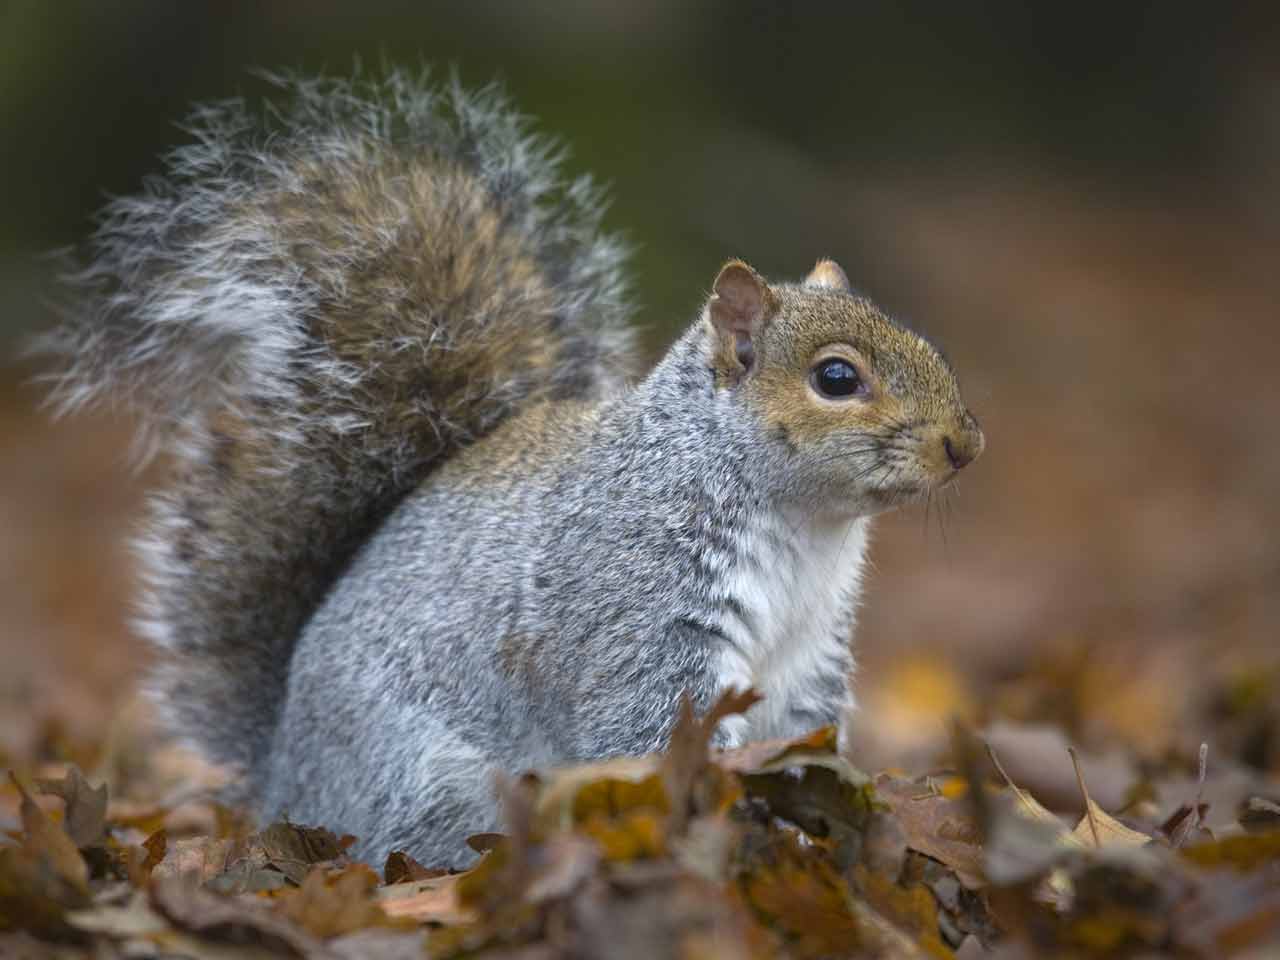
x=314 y=305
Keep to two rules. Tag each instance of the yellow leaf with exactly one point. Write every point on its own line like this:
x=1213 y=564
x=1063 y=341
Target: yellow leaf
x=1244 y=852
x=636 y=835
x=1029 y=807
x=1097 y=828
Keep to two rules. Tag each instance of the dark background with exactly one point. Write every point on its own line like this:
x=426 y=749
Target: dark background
x=1079 y=204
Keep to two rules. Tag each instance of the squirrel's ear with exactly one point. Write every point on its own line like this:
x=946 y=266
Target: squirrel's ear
x=828 y=275
x=741 y=305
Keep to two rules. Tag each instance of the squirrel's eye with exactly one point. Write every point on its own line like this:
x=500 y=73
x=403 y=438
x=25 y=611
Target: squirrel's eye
x=836 y=378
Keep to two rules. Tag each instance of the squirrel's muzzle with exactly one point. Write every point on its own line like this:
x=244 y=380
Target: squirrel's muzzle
x=964 y=445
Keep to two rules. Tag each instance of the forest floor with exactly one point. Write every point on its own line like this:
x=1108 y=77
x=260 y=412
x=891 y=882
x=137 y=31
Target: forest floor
x=1069 y=735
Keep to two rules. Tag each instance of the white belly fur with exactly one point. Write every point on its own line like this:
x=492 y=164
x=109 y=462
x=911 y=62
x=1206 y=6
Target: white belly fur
x=798 y=581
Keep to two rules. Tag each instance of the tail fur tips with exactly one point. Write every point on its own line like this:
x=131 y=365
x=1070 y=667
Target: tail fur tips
x=315 y=305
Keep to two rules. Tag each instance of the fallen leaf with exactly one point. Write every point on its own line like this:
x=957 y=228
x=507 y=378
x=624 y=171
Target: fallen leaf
x=1029 y=808
x=484 y=842
x=563 y=863
x=156 y=846
x=557 y=805
x=692 y=785
x=1021 y=848
x=1258 y=814
x=752 y=757
x=1244 y=852
x=1097 y=828
x=1186 y=821
x=86 y=808
x=402 y=868
x=635 y=834
x=911 y=912
x=331 y=905
x=884 y=845
x=611 y=797
x=294 y=849
x=195 y=860
x=380 y=943
x=805 y=902
x=819 y=791
x=133 y=919
x=652 y=917
x=217 y=918
x=1035 y=756
x=44 y=875
x=707 y=847
x=281 y=855
x=937 y=826
x=427 y=901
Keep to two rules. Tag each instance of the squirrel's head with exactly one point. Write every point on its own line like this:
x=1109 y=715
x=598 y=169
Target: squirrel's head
x=871 y=410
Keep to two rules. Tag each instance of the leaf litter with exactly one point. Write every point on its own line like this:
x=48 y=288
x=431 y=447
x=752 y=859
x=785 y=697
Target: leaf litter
x=777 y=849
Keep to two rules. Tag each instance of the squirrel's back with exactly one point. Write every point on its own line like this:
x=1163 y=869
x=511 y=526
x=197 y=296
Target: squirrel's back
x=311 y=309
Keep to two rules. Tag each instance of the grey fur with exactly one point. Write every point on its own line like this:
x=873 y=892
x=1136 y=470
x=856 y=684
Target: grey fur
x=421 y=530
x=301 y=310
x=496 y=626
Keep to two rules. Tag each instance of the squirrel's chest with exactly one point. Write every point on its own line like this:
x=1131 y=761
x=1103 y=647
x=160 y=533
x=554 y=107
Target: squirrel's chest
x=792 y=593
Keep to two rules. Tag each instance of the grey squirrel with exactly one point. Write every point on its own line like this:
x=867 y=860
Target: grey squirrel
x=422 y=525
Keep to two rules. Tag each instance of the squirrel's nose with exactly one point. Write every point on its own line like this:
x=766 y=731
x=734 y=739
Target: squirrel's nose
x=963 y=449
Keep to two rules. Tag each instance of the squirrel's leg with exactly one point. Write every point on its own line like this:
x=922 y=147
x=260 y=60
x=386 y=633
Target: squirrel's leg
x=455 y=796
x=824 y=698
x=732 y=673
x=683 y=656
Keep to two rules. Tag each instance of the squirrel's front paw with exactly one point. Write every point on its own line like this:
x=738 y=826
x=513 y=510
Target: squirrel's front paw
x=731 y=732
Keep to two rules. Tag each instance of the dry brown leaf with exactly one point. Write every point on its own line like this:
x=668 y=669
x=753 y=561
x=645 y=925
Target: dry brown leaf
x=156 y=846
x=331 y=905
x=50 y=845
x=146 y=818
x=912 y=912
x=130 y=920
x=692 y=785
x=220 y=919
x=1235 y=915
x=86 y=808
x=1035 y=757
x=195 y=860
x=750 y=757
x=1258 y=814
x=1030 y=808
x=281 y=855
x=427 y=901
x=43 y=875
x=1097 y=829
x=765 y=756
x=294 y=849
x=634 y=835
x=660 y=915
x=402 y=868
x=807 y=903
x=380 y=943
x=937 y=826
x=556 y=805
x=1019 y=848
x=1186 y=822
x=707 y=847
x=484 y=842
x=1244 y=851
x=611 y=797
x=563 y=863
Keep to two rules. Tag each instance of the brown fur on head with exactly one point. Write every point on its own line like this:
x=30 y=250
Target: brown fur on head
x=873 y=409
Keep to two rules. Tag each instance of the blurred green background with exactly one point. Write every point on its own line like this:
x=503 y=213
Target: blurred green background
x=1079 y=202
x=724 y=127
